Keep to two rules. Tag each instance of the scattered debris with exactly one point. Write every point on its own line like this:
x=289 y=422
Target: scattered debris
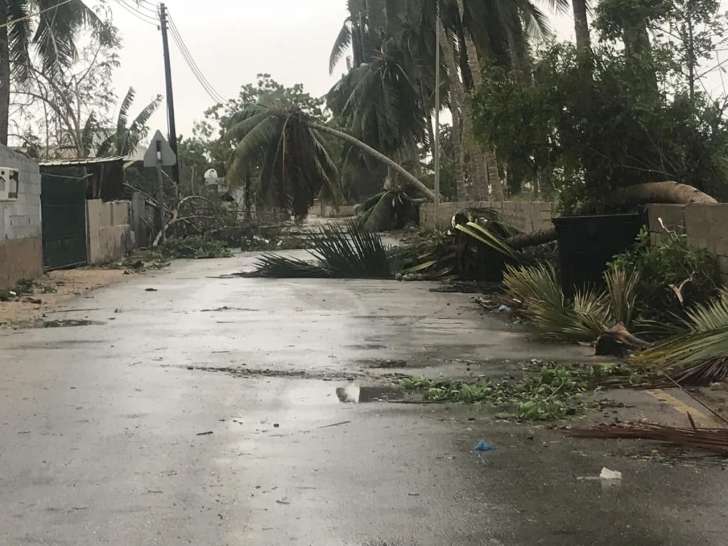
x=340 y=423
x=205 y=433
x=151 y=290
x=482 y=447
x=709 y=439
x=546 y=391
x=608 y=475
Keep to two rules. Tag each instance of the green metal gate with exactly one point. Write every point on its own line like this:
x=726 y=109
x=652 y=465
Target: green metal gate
x=63 y=202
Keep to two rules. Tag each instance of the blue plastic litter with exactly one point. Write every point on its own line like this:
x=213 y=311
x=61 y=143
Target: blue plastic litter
x=482 y=446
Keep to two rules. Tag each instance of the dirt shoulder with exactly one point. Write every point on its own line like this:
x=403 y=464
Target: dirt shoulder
x=53 y=290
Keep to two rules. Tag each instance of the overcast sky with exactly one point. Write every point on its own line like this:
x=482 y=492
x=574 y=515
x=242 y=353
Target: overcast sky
x=232 y=41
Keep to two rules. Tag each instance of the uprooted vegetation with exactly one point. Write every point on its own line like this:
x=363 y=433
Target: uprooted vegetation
x=543 y=392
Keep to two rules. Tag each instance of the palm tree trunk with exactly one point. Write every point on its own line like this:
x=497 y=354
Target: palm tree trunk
x=457 y=103
x=4 y=74
x=581 y=29
x=375 y=154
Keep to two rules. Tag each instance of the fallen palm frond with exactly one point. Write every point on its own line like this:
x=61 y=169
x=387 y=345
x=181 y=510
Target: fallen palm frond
x=622 y=285
x=703 y=318
x=543 y=302
x=475 y=248
x=701 y=355
x=710 y=439
x=350 y=251
x=277 y=266
x=340 y=251
x=485 y=236
x=585 y=317
x=710 y=371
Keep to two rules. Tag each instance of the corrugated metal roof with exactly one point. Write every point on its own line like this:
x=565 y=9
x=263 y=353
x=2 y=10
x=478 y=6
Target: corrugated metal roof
x=81 y=162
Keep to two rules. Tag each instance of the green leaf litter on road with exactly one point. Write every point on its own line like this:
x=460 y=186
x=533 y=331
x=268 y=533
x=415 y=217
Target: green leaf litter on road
x=546 y=391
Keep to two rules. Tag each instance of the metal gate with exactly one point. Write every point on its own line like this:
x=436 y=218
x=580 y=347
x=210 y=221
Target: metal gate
x=63 y=202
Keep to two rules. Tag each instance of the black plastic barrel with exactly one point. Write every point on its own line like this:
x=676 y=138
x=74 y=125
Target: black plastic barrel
x=588 y=243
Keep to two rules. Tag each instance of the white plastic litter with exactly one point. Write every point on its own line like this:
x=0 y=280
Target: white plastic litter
x=610 y=474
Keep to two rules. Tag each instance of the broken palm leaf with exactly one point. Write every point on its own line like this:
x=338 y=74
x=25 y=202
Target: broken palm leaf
x=686 y=351
x=709 y=439
x=420 y=267
x=479 y=233
x=277 y=266
x=712 y=316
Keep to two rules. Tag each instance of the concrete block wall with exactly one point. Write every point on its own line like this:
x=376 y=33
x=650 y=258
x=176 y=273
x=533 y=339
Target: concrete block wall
x=21 y=246
x=109 y=233
x=706 y=226
x=527 y=216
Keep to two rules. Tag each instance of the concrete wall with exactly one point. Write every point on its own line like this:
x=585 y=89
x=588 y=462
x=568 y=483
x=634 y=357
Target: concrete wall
x=706 y=226
x=110 y=236
x=21 y=246
x=527 y=216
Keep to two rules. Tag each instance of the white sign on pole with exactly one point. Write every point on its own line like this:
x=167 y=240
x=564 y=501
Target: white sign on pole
x=159 y=152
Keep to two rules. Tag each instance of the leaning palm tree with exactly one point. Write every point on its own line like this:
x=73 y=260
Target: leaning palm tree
x=288 y=148
x=125 y=139
x=42 y=28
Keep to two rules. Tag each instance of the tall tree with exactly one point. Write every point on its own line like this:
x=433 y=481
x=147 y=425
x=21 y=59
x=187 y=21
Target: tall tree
x=41 y=28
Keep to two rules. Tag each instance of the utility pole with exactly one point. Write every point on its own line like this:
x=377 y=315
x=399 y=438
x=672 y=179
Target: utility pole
x=170 y=92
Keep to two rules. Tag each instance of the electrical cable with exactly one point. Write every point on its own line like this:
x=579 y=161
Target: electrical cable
x=139 y=15
x=192 y=64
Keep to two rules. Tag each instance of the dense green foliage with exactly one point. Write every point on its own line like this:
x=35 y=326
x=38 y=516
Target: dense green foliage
x=674 y=276
x=636 y=113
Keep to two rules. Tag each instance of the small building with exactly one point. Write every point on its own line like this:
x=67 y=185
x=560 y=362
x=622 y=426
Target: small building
x=104 y=176
x=21 y=245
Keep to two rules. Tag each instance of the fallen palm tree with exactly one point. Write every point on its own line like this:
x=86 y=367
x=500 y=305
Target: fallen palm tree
x=709 y=439
x=338 y=251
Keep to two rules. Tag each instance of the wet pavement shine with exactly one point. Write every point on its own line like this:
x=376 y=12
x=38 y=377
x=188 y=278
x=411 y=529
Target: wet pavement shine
x=223 y=411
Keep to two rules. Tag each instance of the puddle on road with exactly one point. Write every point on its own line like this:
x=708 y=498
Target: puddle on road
x=68 y=323
x=381 y=363
x=357 y=394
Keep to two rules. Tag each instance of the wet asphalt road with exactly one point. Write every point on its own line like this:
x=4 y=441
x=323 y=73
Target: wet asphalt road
x=175 y=420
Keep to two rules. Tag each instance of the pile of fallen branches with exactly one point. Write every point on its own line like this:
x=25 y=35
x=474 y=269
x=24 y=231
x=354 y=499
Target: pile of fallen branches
x=709 y=439
x=476 y=247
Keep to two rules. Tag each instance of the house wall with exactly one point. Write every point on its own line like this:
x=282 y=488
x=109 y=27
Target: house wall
x=110 y=236
x=21 y=246
x=706 y=226
x=527 y=216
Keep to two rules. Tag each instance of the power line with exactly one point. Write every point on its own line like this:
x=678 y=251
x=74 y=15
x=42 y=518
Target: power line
x=209 y=88
x=150 y=8
x=36 y=14
x=139 y=15
x=192 y=64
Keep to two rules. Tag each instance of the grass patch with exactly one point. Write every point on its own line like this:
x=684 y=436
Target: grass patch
x=544 y=392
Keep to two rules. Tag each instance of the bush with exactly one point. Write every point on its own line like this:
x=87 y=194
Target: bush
x=673 y=275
